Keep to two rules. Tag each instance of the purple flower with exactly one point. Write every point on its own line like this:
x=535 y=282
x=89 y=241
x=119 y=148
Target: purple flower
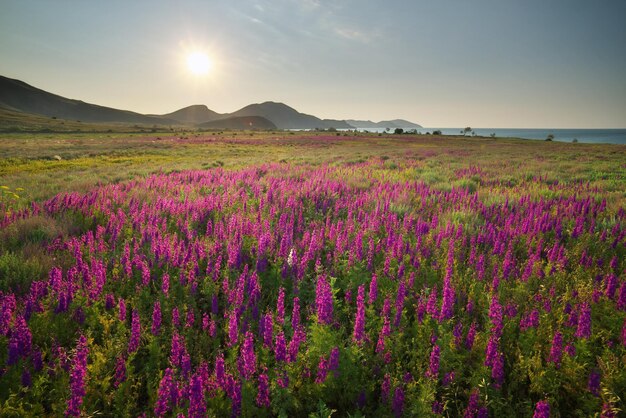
x=77 y=378
x=322 y=370
x=611 y=286
x=156 y=318
x=122 y=310
x=167 y=394
x=220 y=369
x=236 y=399
x=282 y=379
x=263 y=393
x=385 y=387
x=233 y=328
x=295 y=313
x=457 y=332
x=556 y=352
x=447 y=302
x=497 y=370
x=109 y=301
x=397 y=405
x=433 y=368
x=280 y=348
x=530 y=321
x=165 y=284
x=594 y=382
x=373 y=294
x=26 y=379
x=431 y=304
x=471 y=334
x=294 y=345
x=621 y=299
x=248 y=358
x=359 y=322
x=333 y=362
x=472 y=406
x=191 y=318
x=267 y=329
x=197 y=405
x=178 y=353
x=496 y=315
x=437 y=408
x=360 y=402
x=135 y=332
x=175 y=317
x=542 y=410
x=205 y=321
x=20 y=342
x=324 y=300
x=608 y=411
x=280 y=306
x=448 y=378
x=584 y=322
x=120 y=372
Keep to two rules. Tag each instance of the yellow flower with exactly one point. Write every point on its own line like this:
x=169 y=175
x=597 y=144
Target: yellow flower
x=19 y=189
x=4 y=187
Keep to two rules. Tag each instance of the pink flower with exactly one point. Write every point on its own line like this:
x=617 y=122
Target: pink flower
x=156 y=318
x=359 y=322
x=263 y=392
x=433 y=368
x=324 y=300
x=542 y=410
x=77 y=378
x=248 y=358
x=135 y=332
x=556 y=352
x=167 y=394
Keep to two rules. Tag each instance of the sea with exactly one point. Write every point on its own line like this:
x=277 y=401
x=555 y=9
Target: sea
x=591 y=136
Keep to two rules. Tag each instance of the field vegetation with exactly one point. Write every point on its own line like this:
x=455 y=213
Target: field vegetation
x=309 y=274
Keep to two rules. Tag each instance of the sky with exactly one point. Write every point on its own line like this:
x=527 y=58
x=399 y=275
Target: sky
x=439 y=63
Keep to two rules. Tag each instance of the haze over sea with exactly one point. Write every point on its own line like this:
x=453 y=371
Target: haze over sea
x=590 y=136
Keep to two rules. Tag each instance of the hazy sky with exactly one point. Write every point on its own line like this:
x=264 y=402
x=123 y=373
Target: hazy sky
x=440 y=63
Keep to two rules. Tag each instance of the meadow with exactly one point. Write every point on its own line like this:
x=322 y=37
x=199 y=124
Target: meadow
x=311 y=274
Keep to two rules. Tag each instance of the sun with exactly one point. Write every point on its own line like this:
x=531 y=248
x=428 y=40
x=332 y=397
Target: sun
x=199 y=63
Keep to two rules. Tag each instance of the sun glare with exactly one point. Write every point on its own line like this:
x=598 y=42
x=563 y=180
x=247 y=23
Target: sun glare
x=198 y=63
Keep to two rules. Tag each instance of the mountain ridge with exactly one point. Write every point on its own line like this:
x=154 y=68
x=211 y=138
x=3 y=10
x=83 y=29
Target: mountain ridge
x=18 y=96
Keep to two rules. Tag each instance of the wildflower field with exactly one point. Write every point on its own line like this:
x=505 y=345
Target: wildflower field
x=308 y=275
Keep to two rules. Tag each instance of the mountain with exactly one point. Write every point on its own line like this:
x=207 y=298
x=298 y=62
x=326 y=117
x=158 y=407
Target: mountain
x=34 y=103
x=362 y=124
x=192 y=114
x=19 y=96
x=285 y=117
x=240 y=122
x=398 y=123
x=337 y=124
x=391 y=124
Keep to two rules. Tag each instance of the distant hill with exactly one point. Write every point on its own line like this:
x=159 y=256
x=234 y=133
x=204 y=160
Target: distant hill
x=195 y=114
x=240 y=122
x=19 y=96
x=391 y=124
x=285 y=117
x=337 y=124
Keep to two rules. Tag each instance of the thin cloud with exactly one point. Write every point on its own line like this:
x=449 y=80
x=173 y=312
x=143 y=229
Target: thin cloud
x=355 y=35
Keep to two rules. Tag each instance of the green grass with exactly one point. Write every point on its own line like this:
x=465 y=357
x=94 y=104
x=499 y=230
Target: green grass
x=44 y=164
